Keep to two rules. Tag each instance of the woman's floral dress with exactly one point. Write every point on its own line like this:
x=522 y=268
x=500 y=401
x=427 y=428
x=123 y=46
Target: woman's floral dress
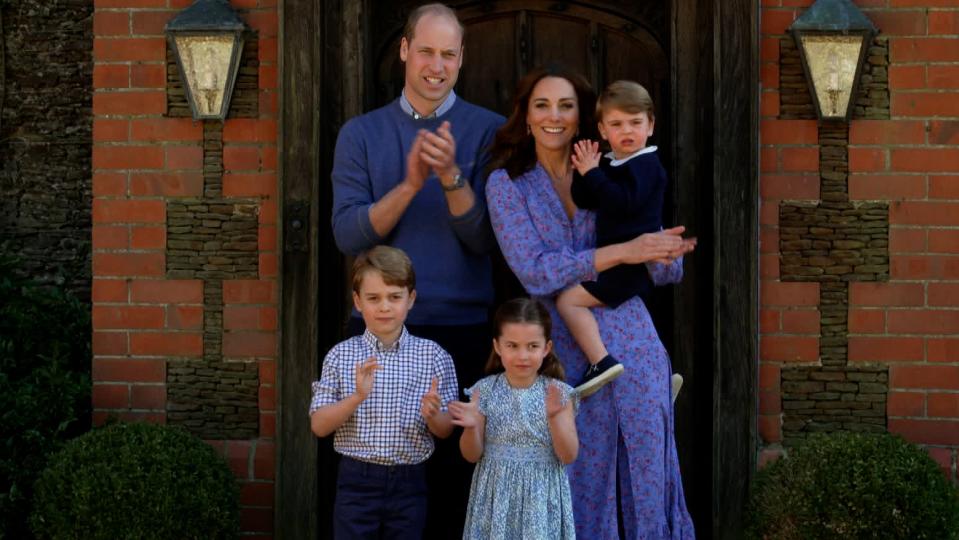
x=625 y=429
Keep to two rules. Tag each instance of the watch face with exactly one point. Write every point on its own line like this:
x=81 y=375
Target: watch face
x=458 y=182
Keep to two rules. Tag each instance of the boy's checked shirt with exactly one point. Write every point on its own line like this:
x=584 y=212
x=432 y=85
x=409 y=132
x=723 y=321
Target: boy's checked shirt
x=387 y=428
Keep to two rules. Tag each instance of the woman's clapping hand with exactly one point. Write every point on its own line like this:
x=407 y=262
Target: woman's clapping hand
x=664 y=246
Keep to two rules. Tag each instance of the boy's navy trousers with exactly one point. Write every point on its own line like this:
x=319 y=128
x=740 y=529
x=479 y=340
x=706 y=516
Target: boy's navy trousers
x=379 y=501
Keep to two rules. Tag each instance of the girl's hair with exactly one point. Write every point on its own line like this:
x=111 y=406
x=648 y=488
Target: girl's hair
x=525 y=311
x=513 y=148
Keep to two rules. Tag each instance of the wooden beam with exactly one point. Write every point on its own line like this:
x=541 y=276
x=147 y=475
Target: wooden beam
x=692 y=338
x=300 y=64
x=735 y=294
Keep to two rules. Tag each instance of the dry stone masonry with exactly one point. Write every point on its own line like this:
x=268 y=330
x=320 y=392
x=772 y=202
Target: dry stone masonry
x=46 y=87
x=833 y=241
x=214 y=238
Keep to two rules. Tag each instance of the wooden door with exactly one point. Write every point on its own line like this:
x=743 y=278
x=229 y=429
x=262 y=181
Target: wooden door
x=341 y=59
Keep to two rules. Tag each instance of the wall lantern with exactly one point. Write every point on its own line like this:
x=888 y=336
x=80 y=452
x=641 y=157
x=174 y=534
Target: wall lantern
x=207 y=39
x=832 y=37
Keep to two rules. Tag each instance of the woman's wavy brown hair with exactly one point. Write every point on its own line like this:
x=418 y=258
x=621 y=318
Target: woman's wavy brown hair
x=513 y=147
x=525 y=311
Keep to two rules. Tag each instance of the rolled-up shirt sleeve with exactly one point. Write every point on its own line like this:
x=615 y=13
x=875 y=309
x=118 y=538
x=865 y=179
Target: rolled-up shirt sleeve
x=445 y=373
x=327 y=390
x=542 y=269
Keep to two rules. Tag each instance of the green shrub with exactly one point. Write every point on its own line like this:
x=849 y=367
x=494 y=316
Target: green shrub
x=136 y=481
x=849 y=485
x=44 y=385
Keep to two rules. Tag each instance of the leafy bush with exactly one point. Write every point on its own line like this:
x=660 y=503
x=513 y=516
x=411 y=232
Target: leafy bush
x=849 y=485
x=136 y=481
x=44 y=384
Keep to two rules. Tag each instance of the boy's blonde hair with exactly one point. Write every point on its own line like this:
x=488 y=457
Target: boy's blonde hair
x=393 y=265
x=626 y=96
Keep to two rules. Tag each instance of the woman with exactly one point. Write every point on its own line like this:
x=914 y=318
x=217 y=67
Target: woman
x=626 y=429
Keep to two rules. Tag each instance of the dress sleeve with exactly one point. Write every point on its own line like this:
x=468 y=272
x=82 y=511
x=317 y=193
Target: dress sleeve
x=542 y=269
x=352 y=194
x=485 y=387
x=664 y=274
x=568 y=393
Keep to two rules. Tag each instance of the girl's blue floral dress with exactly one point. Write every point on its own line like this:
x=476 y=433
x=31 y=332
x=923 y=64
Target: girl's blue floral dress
x=520 y=489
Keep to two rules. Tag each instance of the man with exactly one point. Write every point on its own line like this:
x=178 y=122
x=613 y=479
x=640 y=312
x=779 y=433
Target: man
x=411 y=175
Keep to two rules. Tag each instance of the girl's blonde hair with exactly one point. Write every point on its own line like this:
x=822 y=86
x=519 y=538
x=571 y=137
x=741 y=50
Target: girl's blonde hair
x=525 y=311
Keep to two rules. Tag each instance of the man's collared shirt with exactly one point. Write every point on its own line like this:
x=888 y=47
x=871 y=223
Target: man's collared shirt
x=387 y=428
x=440 y=111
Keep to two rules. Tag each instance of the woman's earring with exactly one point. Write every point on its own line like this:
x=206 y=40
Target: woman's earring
x=528 y=130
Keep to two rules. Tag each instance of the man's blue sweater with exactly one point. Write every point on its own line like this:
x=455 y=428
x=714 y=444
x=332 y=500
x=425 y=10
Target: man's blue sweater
x=450 y=254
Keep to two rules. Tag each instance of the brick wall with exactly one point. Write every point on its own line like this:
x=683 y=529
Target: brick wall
x=900 y=330
x=174 y=303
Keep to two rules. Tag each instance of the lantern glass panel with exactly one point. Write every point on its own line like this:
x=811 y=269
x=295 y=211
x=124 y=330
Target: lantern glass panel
x=832 y=62
x=206 y=66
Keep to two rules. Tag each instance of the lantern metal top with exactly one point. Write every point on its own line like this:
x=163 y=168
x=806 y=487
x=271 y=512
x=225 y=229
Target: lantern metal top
x=833 y=16
x=206 y=15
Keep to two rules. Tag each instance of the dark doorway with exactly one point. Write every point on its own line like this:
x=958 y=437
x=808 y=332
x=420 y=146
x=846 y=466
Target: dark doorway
x=341 y=59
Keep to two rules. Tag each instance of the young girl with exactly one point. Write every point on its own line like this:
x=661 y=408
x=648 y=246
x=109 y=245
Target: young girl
x=519 y=426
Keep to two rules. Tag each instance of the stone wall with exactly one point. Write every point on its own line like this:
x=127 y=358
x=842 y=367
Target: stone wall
x=46 y=65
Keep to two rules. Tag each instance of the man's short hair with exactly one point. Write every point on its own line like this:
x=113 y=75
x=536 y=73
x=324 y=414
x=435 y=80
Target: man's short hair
x=440 y=10
x=393 y=265
x=626 y=96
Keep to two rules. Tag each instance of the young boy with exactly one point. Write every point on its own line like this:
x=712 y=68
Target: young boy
x=627 y=192
x=384 y=394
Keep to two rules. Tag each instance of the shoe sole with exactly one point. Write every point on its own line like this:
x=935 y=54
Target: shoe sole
x=677 y=384
x=601 y=380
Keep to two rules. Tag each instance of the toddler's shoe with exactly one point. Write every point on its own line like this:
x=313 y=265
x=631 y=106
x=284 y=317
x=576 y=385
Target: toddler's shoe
x=598 y=375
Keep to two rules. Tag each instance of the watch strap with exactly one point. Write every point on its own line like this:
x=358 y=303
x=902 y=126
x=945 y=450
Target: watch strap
x=458 y=182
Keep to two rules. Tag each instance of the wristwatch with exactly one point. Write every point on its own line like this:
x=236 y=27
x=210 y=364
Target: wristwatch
x=458 y=182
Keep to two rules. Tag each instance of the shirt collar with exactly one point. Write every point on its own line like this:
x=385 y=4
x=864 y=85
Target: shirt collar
x=617 y=162
x=378 y=346
x=440 y=111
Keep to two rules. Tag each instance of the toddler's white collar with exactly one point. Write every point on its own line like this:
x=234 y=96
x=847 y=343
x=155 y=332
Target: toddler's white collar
x=617 y=162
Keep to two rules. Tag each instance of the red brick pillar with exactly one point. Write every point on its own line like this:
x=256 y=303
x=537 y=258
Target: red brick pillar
x=146 y=316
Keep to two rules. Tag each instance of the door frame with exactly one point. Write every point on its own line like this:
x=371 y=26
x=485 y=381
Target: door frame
x=714 y=86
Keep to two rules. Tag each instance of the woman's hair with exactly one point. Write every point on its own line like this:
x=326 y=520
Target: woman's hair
x=627 y=96
x=525 y=311
x=513 y=148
